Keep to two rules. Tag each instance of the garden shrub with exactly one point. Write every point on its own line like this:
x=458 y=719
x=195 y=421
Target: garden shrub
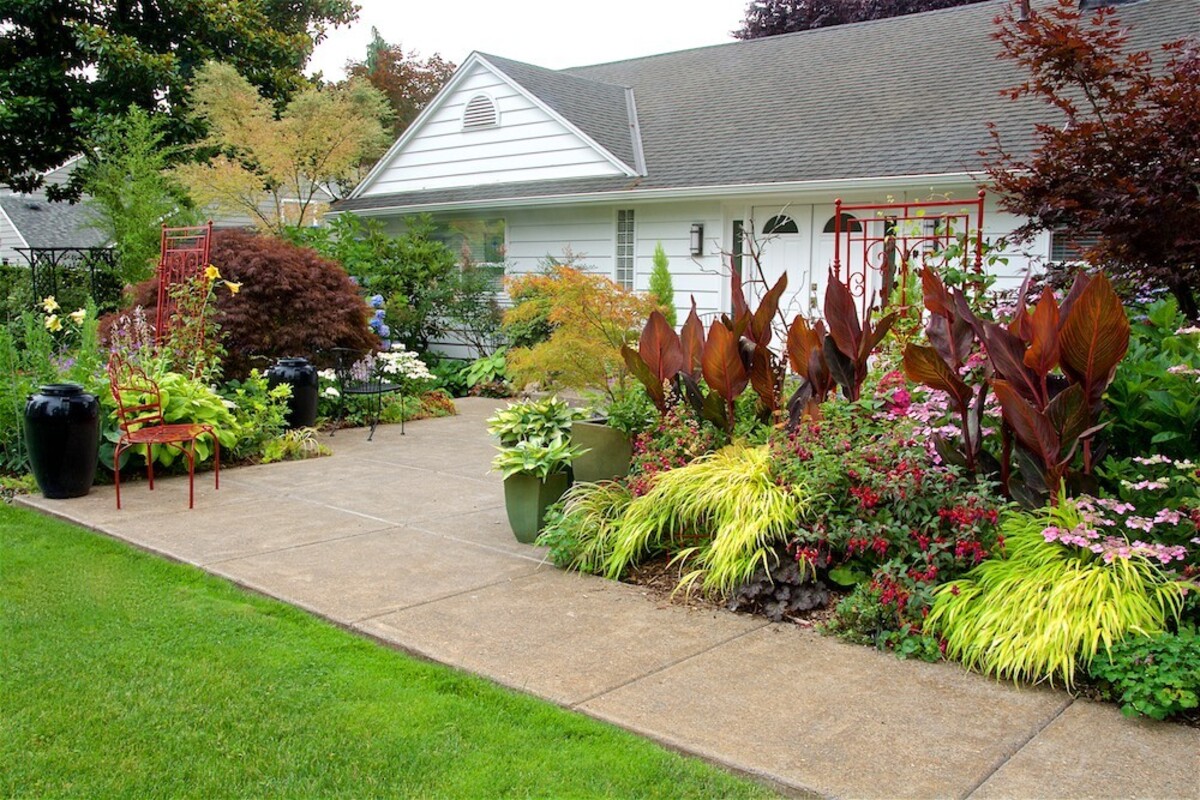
x=292 y=302
x=883 y=513
x=661 y=288
x=1051 y=605
x=1154 y=398
x=1158 y=676
x=591 y=318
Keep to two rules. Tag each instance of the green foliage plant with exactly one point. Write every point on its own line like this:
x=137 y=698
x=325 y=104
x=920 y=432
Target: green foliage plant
x=542 y=421
x=722 y=515
x=661 y=289
x=1157 y=676
x=1047 y=609
x=489 y=369
x=1154 y=398
x=632 y=411
x=130 y=193
x=294 y=445
x=539 y=459
x=259 y=413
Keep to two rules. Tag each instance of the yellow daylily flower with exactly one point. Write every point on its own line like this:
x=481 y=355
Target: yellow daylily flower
x=211 y=272
x=233 y=288
x=78 y=316
x=53 y=323
x=50 y=304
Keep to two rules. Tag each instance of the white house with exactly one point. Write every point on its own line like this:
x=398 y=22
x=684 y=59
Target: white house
x=611 y=159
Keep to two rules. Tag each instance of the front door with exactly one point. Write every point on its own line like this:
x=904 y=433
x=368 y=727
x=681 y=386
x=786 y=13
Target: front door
x=784 y=250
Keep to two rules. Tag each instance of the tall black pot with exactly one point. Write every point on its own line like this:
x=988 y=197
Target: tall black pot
x=62 y=432
x=302 y=377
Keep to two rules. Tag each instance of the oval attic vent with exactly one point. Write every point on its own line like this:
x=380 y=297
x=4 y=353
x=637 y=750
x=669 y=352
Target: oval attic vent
x=480 y=113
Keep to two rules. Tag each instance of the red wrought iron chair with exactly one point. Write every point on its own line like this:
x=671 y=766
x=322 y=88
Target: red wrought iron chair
x=140 y=419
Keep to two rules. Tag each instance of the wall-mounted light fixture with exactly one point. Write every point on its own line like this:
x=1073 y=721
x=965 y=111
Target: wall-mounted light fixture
x=697 y=238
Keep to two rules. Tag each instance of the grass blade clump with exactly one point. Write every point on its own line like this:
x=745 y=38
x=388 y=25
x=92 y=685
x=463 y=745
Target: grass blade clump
x=723 y=514
x=580 y=535
x=1047 y=608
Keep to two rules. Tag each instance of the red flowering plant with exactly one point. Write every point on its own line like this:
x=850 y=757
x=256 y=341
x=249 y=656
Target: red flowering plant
x=887 y=518
x=679 y=437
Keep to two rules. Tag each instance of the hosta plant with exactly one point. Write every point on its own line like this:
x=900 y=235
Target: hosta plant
x=541 y=421
x=539 y=459
x=1049 y=608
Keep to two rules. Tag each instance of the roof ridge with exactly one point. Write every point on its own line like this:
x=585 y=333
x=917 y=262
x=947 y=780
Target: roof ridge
x=828 y=30
x=559 y=72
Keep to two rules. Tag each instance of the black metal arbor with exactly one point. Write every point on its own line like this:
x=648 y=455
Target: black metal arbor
x=65 y=271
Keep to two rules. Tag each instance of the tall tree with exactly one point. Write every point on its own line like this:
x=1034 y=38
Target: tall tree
x=130 y=193
x=408 y=82
x=1123 y=161
x=279 y=168
x=64 y=64
x=773 y=17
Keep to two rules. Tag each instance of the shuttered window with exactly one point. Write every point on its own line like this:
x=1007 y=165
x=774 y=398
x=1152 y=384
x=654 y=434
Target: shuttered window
x=1069 y=246
x=625 y=248
x=480 y=113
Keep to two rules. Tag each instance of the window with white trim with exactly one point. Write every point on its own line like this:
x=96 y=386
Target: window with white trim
x=481 y=112
x=625 y=248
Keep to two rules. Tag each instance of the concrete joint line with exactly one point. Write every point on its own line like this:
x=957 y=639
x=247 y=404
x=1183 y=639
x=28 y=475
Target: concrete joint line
x=577 y=705
x=477 y=545
x=394 y=465
x=1009 y=756
x=411 y=606
x=256 y=554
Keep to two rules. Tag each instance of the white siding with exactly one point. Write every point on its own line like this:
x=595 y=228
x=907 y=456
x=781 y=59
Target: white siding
x=527 y=145
x=9 y=241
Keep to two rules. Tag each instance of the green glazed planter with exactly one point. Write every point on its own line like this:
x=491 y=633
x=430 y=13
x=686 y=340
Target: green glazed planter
x=526 y=499
x=608 y=455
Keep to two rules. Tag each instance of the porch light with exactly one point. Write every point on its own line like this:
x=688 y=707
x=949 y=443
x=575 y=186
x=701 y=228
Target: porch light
x=697 y=238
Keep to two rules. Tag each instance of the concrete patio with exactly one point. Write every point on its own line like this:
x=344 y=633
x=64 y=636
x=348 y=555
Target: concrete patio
x=405 y=539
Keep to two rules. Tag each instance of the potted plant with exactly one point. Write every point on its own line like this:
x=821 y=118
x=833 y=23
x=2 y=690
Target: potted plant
x=534 y=459
x=607 y=436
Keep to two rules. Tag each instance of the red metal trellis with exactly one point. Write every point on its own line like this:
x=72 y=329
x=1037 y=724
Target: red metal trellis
x=185 y=251
x=886 y=238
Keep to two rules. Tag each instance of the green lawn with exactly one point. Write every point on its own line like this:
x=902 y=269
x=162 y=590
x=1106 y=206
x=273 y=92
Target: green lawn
x=125 y=675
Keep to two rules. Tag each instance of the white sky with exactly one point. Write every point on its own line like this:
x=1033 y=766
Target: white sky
x=548 y=33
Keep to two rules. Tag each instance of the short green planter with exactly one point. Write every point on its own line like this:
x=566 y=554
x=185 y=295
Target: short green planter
x=609 y=451
x=526 y=499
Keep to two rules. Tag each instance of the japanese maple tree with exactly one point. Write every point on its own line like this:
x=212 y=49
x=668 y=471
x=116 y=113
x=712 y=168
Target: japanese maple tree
x=1123 y=159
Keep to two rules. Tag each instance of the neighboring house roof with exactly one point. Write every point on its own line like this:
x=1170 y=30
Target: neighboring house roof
x=907 y=96
x=42 y=223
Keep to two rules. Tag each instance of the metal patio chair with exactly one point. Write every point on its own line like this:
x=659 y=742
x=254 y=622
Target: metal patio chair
x=140 y=419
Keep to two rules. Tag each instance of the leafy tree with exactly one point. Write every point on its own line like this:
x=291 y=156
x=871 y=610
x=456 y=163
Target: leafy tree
x=277 y=169
x=661 y=289
x=408 y=82
x=415 y=274
x=773 y=17
x=1124 y=164
x=130 y=193
x=66 y=64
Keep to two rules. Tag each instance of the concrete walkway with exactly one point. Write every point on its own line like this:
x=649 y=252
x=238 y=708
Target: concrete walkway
x=405 y=539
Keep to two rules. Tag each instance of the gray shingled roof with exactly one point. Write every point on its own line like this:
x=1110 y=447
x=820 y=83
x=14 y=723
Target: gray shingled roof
x=897 y=97
x=46 y=224
x=601 y=110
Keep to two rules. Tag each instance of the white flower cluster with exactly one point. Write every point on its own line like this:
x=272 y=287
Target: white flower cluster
x=401 y=363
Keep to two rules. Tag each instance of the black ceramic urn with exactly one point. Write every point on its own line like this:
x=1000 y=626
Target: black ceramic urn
x=62 y=432
x=302 y=377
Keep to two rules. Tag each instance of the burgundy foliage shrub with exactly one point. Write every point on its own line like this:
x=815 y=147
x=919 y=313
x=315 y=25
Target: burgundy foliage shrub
x=292 y=302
